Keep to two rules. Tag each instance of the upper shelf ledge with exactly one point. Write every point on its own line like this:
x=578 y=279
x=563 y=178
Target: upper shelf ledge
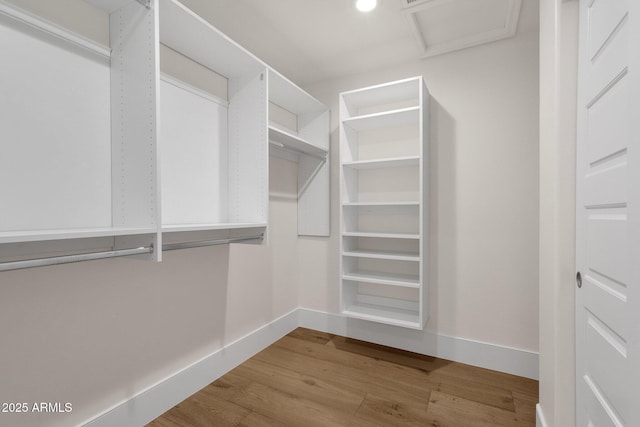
x=288 y=141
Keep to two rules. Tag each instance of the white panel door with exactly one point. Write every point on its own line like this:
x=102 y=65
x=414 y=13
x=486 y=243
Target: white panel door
x=607 y=319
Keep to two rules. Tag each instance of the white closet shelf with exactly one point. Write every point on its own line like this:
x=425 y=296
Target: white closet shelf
x=289 y=141
x=392 y=162
x=390 y=255
x=169 y=228
x=190 y=35
x=383 y=278
x=382 y=208
x=381 y=235
x=385 y=93
x=52 y=29
x=286 y=94
x=380 y=204
x=386 y=119
x=73 y=233
x=384 y=314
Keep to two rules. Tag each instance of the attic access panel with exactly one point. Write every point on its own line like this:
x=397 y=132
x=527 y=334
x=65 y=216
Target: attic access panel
x=443 y=26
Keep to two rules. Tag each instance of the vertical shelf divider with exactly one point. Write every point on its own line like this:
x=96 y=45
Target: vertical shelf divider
x=134 y=120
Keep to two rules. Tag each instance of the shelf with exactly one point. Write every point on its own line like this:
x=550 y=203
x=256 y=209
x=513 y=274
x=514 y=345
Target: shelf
x=79 y=233
x=286 y=94
x=216 y=177
x=386 y=93
x=383 y=278
x=382 y=208
x=380 y=204
x=189 y=34
x=389 y=255
x=387 y=119
x=288 y=141
x=382 y=235
x=392 y=162
x=169 y=228
x=306 y=141
x=54 y=30
x=384 y=314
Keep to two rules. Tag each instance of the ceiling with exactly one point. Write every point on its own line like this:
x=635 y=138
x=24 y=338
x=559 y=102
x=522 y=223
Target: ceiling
x=314 y=40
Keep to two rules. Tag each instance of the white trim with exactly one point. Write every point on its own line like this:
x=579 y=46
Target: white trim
x=540 y=420
x=148 y=404
x=485 y=355
x=494 y=34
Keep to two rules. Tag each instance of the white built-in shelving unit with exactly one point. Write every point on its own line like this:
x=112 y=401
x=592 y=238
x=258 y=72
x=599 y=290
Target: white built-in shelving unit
x=215 y=155
x=306 y=141
x=78 y=129
x=99 y=144
x=384 y=147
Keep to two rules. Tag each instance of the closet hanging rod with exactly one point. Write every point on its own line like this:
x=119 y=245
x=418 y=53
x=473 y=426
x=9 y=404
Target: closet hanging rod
x=188 y=245
x=67 y=259
x=295 y=150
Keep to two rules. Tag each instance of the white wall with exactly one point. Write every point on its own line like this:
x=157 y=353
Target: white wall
x=558 y=72
x=484 y=193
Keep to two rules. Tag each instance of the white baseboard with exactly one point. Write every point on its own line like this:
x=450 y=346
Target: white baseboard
x=540 y=420
x=157 y=399
x=504 y=359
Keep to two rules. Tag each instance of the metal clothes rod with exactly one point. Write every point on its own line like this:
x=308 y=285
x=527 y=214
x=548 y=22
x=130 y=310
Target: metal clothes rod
x=295 y=150
x=176 y=246
x=67 y=259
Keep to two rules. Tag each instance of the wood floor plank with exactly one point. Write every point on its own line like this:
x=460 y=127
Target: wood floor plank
x=255 y=419
x=315 y=379
x=403 y=377
x=457 y=386
x=199 y=412
x=226 y=387
x=164 y=421
x=293 y=410
x=525 y=405
x=389 y=354
x=489 y=377
x=394 y=413
x=452 y=411
x=302 y=385
x=344 y=376
x=475 y=391
x=311 y=335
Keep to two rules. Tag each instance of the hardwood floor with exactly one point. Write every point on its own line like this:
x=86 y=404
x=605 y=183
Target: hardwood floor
x=310 y=378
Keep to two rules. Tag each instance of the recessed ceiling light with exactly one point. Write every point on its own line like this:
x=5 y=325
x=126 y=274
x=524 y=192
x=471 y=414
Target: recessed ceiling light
x=366 y=5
